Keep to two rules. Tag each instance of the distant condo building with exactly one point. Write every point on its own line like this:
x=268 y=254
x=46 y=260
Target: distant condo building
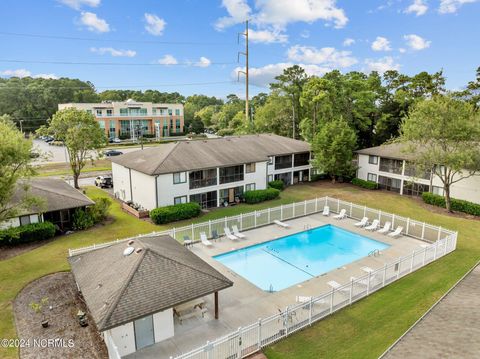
x=129 y=119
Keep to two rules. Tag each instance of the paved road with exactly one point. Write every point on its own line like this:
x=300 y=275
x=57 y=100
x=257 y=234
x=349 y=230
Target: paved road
x=450 y=330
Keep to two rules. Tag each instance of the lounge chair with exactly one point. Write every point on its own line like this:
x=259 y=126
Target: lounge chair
x=397 y=232
x=338 y=287
x=307 y=299
x=341 y=215
x=229 y=234
x=363 y=281
x=204 y=239
x=281 y=224
x=386 y=228
x=326 y=211
x=362 y=223
x=237 y=233
x=374 y=226
x=187 y=242
x=214 y=234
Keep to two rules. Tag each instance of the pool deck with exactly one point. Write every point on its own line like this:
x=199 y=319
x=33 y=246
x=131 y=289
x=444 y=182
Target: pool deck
x=244 y=303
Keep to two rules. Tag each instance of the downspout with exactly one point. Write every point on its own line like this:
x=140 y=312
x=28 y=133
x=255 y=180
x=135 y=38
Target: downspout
x=156 y=191
x=130 y=181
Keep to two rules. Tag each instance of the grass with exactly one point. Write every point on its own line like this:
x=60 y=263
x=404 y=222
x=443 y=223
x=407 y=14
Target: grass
x=362 y=331
x=63 y=168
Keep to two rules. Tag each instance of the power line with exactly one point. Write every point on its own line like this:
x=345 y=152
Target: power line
x=119 y=87
x=192 y=63
x=127 y=41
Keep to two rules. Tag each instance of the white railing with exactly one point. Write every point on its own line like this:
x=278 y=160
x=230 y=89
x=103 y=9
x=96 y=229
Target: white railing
x=250 y=220
x=250 y=339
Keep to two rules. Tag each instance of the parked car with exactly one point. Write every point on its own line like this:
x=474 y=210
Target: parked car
x=49 y=139
x=114 y=140
x=113 y=153
x=34 y=154
x=104 y=181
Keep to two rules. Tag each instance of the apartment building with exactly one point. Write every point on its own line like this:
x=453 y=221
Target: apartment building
x=393 y=169
x=212 y=172
x=129 y=119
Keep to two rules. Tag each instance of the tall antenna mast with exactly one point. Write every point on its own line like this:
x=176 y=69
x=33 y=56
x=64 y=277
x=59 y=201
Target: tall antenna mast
x=245 y=34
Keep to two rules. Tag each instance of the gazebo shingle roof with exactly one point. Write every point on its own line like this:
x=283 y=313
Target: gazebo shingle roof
x=119 y=289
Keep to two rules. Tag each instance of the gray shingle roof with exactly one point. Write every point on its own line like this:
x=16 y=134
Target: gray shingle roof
x=226 y=151
x=55 y=193
x=393 y=150
x=119 y=289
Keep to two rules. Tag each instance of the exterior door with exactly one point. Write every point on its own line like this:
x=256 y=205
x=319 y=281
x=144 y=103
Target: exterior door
x=144 y=335
x=231 y=195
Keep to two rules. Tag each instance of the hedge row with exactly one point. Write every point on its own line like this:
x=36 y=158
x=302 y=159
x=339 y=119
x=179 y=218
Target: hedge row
x=261 y=195
x=28 y=233
x=458 y=205
x=364 y=184
x=176 y=212
x=277 y=184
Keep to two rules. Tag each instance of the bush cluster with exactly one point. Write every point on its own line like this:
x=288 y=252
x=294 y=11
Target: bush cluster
x=458 y=205
x=28 y=233
x=176 y=212
x=261 y=195
x=318 y=177
x=364 y=184
x=277 y=184
x=86 y=218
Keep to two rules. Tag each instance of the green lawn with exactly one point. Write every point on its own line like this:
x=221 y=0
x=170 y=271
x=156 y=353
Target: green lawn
x=364 y=330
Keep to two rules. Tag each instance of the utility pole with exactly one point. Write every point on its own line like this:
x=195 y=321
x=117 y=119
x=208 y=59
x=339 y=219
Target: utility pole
x=245 y=34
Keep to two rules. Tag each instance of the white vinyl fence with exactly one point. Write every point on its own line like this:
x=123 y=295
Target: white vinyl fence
x=250 y=339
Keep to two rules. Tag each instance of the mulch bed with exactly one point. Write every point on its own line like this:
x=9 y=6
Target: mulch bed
x=73 y=341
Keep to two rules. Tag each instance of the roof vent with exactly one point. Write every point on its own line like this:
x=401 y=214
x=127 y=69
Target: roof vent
x=138 y=250
x=130 y=242
x=129 y=250
x=100 y=285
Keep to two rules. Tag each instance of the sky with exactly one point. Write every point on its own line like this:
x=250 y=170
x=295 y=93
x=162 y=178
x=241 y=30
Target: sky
x=191 y=46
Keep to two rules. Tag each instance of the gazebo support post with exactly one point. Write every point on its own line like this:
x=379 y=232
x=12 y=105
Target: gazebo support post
x=216 y=305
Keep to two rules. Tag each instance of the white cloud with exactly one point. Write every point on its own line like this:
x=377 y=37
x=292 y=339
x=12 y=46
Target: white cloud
x=416 y=42
x=93 y=22
x=26 y=73
x=381 y=65
x=305 y=34
x=381 y=44
x=168 y=60
x=417 y=7
x=77 y=4
x=238 y=11
x=263 y=76
x=155 y=25
x=402 y=50
x=452 y=6
x=326 y=56
x=203 y=62
x=280 y=13
x=267 y=36
x=113 y=52
x=348 y=42
x=283 y=12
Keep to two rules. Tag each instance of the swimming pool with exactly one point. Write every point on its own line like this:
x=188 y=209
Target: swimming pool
x=283 y=262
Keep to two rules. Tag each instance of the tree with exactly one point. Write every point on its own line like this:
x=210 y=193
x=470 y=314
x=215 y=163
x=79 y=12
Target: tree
x=14 y=166
x=81 y=134
x=444 y=134
x=333 y=148
x=274 y=116
x=290 y=83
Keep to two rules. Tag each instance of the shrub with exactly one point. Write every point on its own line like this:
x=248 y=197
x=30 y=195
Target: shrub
x=176 y=212
x=459 y=205
x=25 y=234
x=82 y=219
x=261 y=195
x=277 y=184
x=364 y=184
x=318 y=177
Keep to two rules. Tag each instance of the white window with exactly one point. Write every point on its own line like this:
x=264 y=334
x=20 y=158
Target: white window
x=181 y=199
x=177 y=112
x=109 y=112
x=372 y=177
x=24 y=220
x=179 y=177
x=250 y=187
x=373 y=160
x=99 y=112
x=270 y=160
x=250 y=167
x=438 y=190
x=270 y=178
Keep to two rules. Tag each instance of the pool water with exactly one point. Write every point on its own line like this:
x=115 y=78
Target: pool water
x=283 y=262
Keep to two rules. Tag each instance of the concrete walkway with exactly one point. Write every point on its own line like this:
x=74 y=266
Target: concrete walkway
x=450 y=330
